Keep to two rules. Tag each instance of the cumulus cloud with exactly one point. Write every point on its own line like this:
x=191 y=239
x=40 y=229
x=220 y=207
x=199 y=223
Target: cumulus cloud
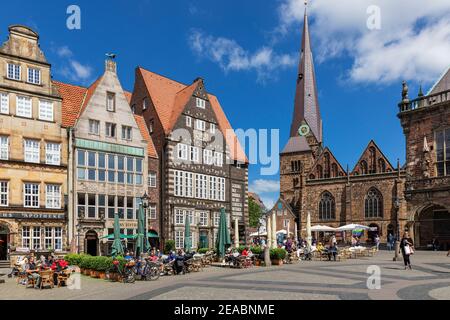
x=264 y=186
x=413 y=42
x=230 y=56
x=73 y=69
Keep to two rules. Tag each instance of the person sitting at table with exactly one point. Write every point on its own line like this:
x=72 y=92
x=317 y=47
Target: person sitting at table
x=320 y=247
x=332 y=251
x=153 y=257
x=244 y=252
x=33 y=273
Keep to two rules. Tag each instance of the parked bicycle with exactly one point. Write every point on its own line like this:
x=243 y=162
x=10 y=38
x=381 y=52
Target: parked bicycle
x=127 y=274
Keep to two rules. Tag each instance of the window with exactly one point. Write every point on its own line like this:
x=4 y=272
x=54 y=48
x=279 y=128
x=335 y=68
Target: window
x=443 y=152
x=382 y=165
x=13 y=71
x=53 y=196
x=207 y=156
x=188 y=121
x=101 y=206
x=4 y=193
x=94 y=127
x=212 y=128
x=152 y=211
x=57 y=235
x=327 y=207
x=26 y=237
x=23 y=106
x=126 y=133
x=200 y=186
x=36 y=238
x=130 y=208
x=203 y=219
x=4 y=148
x=91 y=171
x=111 y=206
x=130 y=169
x=34 y=76
x=110 y=101
x=194 y=151
x=286 y=223
x=363 y=166
x=121 y=169
x=218 y=159
x=144 y=104
x=179 y=216
x=151 y=125
x=110 y=131
x=216 y=219
x=373 y=204
x=178 y=187
x=111 y=168
x=31 y=150
x=52 y=153
x=179 y=239
x=92 y=208
x=200 y=103
x=31 y=195
x=4 y=103
x=200 y=125
x=182 y=151
x=152 y=179
x=189 y=214
x=81 y=205
x=188 y=184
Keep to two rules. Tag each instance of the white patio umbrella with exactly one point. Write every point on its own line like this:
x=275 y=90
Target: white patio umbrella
x=308 y=231
x=256 y=234
x=320 y=228
x=352 y=226
x=282 y=231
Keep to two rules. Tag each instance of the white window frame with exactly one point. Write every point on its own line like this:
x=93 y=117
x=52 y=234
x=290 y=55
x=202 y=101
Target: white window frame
x=108 y=130
x=218 y=159
x=4 y=147
x=152 y=179
x=4 y=193
x=110 y=101
x=182 y=151
x=203 y=219
x=12 y=74
x=216 y=219
x=179 y=239
x=208 y=157
x=32 y=193
x=194 y=154
x=31 y=150
x=45 y=110
x=34 y=76
x=179 y=216
x=53 y=153
x=57 y=238
x=152 y=211
x=26 y=237
x=53 y=196
x=127 y=133
x=188 y=121
x=212 y=128
x=94 y=127
x=36 y=242
x=188 y=184
x=200 y=103
x=4 y=103
x=200 y=125
x=24 y=106
x=48 y=238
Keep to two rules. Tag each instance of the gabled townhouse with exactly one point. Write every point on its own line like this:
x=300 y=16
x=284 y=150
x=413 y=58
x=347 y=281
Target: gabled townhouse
x=110 y=149
x=202 y=165
x=33 y=151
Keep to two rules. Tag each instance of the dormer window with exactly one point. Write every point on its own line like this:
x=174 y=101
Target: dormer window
x=212 y=128
x=13 y=71
x=200 y=103
x=200 y=125
x=144 y=104
x=110 y=101
x=34 y=76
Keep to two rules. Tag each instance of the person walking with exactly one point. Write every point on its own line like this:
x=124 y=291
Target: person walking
x=377 y=241
x=390 y=241
x=407 y=248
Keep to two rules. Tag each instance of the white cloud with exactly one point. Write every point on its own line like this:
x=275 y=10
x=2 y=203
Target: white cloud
x=413 y=42
x=73 y=69
x=264 y=186
x=230 y=56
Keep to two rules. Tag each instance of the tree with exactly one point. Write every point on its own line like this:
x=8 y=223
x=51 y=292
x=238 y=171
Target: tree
x=255 y=212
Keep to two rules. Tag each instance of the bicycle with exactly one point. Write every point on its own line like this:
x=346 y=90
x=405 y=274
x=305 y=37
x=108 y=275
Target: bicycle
x=127 y=275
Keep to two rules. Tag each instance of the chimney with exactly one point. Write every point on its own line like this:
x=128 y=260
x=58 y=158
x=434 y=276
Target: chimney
x=198 y=79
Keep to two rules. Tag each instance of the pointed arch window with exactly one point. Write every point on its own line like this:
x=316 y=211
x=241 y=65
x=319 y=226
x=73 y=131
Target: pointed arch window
x=319 y=172
x=373 y=204
x=382 y=165
x=327 y=167
x=372 y=160
x=327 y=209
x=334 y=170
x=363 y=166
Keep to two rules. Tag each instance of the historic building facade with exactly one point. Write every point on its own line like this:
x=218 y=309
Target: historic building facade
x=389 y=199
x=108 y=162
x=33 y=150
x=203 y=167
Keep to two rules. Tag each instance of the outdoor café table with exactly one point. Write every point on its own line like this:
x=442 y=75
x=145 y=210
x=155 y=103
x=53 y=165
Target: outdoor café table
x=357 y=250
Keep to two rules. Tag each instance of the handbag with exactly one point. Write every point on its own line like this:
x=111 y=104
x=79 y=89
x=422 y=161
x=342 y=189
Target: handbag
x=407 y=250
x=411 y=250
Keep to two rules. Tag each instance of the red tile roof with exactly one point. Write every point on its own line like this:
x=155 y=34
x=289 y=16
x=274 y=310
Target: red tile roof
x=151 y=150
x=73 y=97
x=169 y=98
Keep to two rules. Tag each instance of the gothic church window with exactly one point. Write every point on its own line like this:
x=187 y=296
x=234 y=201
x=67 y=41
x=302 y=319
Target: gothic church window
x=382 y=165
x=334 y=170
x=327 y=207
x=372 y=159
x=443 y=152
x=363 y=166
x=373 y=204
x=327 y=166
x=319 y=172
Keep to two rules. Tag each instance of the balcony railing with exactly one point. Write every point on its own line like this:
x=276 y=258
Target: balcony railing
x=426 y=101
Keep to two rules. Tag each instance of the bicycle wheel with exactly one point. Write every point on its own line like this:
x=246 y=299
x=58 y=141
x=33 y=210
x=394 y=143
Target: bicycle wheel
x=130 y=276
x=153 y=273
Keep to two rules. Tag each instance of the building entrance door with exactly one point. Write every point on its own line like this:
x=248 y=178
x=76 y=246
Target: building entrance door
x=4 y=235
x=91 y=243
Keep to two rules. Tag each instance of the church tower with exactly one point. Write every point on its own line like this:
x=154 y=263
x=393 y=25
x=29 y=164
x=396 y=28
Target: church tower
x=305 y=140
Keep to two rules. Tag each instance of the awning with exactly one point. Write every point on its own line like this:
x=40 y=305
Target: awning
x=152 y=234
x=122 y=236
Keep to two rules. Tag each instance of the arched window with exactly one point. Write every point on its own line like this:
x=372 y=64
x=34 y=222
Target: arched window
x=319 y=172
x=327 y=207
x=372 y=160
x=334 y=170
x=373 y=204
x=363 y=166
x=382 y=165
x=327 y=168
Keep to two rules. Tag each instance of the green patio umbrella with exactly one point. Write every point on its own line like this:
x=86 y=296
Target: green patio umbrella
x=187 y=235
x=142 y=243
x=117 y=248
x=223 y=236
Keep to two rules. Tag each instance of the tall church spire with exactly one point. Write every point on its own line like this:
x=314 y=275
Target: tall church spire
x=306 y=104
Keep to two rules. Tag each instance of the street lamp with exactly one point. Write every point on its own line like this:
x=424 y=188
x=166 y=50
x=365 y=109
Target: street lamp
x=397 y=237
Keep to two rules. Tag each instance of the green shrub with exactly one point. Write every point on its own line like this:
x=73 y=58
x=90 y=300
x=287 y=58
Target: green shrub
x=203 y=250
x=277 y=254
x=241 y=248
x=74 y=259
x=103 y=263
x=87 y=262
x=169 y=246
x=257 y=250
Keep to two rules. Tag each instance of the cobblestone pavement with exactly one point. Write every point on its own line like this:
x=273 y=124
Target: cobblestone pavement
x=429 y=279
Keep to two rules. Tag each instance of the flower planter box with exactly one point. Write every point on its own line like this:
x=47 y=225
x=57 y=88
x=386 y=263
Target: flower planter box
x=277 y=262
x=102 y=275
x=87 y=272
x=257 y=263
x=94 y=274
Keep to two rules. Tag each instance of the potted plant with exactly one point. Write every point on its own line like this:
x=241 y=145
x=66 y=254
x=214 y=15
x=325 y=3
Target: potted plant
x=169 y=246
x=277 y=255
x=103 y=264
x=257 y=251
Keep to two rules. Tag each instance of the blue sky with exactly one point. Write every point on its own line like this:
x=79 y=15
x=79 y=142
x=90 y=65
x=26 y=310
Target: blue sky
x=247 y=52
